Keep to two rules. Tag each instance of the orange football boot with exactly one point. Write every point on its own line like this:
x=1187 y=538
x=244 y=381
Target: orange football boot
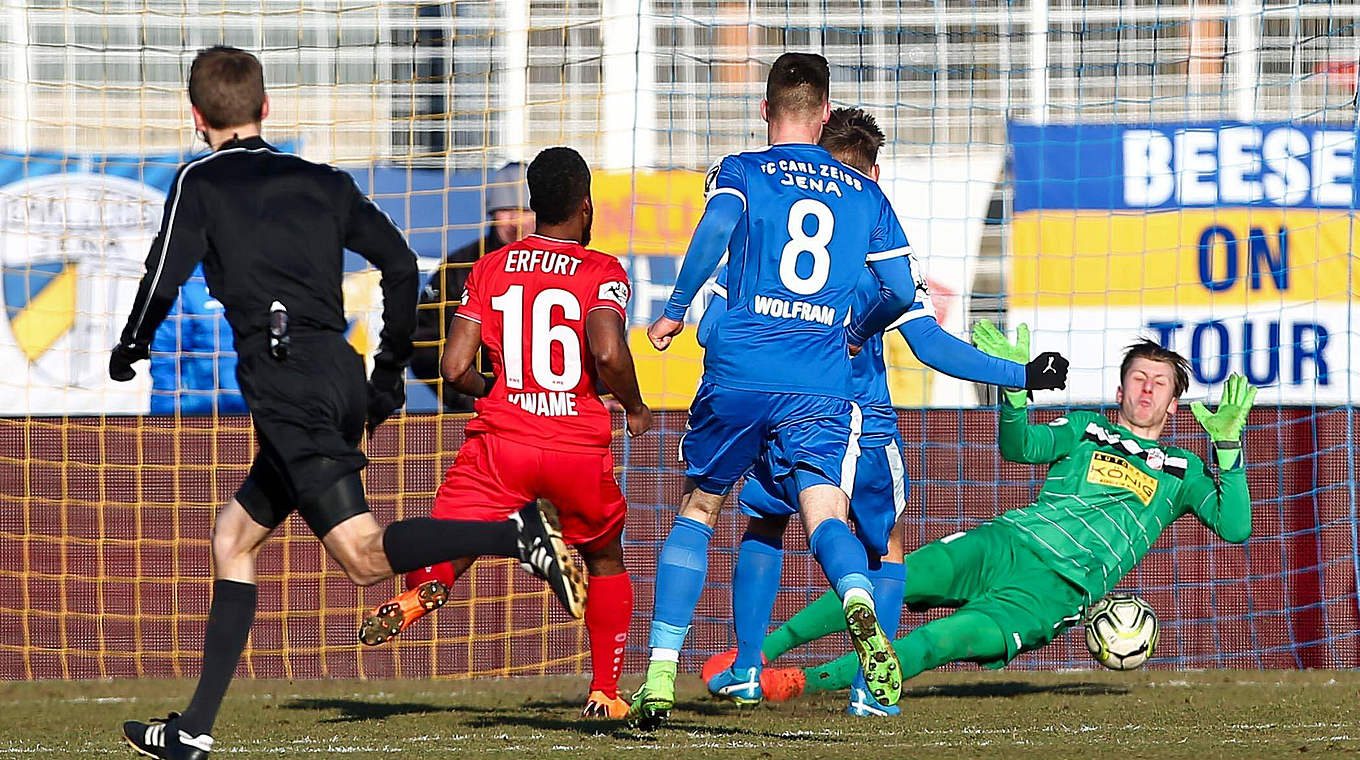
x=598 y=705
x=397 y=614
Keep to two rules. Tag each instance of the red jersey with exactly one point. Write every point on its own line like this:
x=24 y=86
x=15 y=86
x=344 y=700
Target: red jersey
x=531 y=298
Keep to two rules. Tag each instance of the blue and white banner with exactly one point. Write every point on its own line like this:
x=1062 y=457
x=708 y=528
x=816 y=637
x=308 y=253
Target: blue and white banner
x=1231 y=243
x=1160 y=167
x=74 y=232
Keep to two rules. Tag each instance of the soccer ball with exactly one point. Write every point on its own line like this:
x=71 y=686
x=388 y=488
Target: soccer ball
x=1121 y=632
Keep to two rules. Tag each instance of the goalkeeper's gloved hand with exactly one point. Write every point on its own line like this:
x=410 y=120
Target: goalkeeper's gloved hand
x=122 y=358
x=1224 y=426
x=993 y=342
x=386 y=394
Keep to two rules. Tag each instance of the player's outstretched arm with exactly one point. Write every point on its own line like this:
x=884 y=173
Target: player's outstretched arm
x=1223 y=504
x=943 y=352
x=1224 y=426
x=608 y=339
x=721 y=216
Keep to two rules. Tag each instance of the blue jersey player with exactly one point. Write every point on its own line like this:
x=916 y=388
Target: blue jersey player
x=777 y=383
x=880 y=486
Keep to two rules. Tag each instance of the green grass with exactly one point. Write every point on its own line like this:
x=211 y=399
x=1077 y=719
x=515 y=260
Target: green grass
x=1012 y=714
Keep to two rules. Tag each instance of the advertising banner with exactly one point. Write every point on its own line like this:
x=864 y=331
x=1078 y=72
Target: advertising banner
x=74 y=233
x=1230 y=243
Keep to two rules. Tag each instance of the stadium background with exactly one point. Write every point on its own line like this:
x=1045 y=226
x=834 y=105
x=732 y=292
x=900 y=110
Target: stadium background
x=1099 y=170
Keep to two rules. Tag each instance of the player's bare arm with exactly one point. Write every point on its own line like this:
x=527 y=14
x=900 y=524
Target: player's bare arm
x=460 y=354
x=609 y=345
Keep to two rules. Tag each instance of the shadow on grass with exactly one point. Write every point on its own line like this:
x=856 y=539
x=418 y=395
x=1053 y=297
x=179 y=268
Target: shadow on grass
x=1014 y=689
x=547 y=715
x=544 y=715
x=355 y=710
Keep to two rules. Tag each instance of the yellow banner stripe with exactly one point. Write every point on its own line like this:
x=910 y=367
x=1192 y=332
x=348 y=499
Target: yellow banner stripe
x=1183 y=258
x=48 y=316
x=646 y=212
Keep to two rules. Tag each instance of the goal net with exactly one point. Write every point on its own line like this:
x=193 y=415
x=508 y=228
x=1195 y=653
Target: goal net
x=1184 y=171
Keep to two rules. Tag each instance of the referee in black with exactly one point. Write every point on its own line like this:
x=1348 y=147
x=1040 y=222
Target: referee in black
x=270 y=230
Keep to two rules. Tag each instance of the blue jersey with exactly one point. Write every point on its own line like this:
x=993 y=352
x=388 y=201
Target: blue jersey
x=869 y=369
x=935 y=348
x=808 y=226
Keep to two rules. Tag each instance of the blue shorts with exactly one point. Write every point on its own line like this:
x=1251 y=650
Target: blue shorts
x=879 y=497
x=798 y=437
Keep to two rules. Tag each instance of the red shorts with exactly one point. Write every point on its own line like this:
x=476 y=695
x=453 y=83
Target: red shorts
x=493 y=478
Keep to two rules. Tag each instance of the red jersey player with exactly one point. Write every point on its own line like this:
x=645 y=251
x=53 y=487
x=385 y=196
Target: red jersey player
x=552 y=313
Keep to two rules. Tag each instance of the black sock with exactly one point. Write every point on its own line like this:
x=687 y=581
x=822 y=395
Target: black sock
x=229 y=619
x=424 y=541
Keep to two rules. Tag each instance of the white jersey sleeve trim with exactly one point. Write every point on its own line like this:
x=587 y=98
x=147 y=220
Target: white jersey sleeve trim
x=891 y=254
x=468 y=317
x=610 y=306
x=726 y=191
x=909 y=316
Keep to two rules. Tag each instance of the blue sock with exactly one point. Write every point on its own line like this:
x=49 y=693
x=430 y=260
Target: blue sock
x=681 y=569
x=890 y=585
x=841 y=556
x=755 y=582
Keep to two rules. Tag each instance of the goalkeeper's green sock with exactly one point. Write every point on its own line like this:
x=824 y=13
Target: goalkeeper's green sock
x=822 y=617
x=961 y=636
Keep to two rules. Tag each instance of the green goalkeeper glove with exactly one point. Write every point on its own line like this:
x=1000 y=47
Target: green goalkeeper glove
x=1225 y=425
x=993 y=342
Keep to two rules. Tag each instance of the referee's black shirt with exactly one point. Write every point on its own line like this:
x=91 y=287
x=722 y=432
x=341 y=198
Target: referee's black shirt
x=270 y=226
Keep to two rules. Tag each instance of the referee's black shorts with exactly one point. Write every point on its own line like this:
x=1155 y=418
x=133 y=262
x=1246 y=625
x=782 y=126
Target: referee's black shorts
x=309 y=411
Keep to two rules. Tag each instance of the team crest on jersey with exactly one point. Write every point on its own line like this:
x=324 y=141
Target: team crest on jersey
x=1156 y=459
x=616 y=291
x=1117 y=472
x=72 y=250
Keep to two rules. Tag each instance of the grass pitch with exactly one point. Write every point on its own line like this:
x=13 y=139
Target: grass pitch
x=1156 y=714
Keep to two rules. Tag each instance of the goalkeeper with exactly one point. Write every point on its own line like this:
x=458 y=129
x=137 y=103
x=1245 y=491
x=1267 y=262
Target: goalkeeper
x=1022 y=578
